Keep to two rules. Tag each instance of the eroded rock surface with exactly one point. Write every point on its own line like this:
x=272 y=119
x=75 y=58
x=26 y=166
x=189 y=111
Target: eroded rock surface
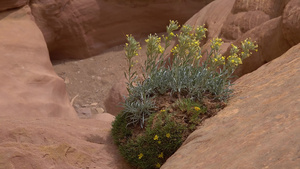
x=42 y=143
x=274 y=25
x=291 y=22
x=260 y=127
x=11 y=4
x=29 y=85
x=38 y=126
x=80 y=29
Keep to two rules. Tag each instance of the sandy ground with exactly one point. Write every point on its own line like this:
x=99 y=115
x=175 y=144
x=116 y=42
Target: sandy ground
x=90 y=80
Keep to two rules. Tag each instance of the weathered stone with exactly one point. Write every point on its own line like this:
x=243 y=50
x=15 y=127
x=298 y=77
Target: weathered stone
x=61 y=143
x=271 y=44
x=11 y=4
x=83 y=28
x=213 y=16
x=273 y=8
x=29 y=85
x=100 y=110
x=258 y=129
x=291 y=22
x=84 y=113
x=238 y=24
x=113 y=103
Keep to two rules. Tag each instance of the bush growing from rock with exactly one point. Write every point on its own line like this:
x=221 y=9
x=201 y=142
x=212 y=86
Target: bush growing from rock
x=175 y=95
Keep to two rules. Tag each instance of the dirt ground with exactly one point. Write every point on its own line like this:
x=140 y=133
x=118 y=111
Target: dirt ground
x=89 y=81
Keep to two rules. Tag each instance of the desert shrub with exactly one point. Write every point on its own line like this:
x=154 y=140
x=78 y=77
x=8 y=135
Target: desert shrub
x=175 y=94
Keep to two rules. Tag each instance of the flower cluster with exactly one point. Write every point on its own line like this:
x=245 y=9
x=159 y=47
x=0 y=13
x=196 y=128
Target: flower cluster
x=215 y=44
x=183 y=76
x=247 y=46
x=131 y=50
x=218 y=59
x=132 y=47
x=153 y=45
x=200 y=32
x=188 y=48
x=235 y=58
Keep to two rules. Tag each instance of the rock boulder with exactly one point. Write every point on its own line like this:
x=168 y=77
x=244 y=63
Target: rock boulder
x=258 y=129
x=29 y=85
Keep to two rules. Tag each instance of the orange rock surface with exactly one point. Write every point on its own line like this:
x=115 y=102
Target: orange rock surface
x=81 y=29
x=260 y=127
x=39 y=128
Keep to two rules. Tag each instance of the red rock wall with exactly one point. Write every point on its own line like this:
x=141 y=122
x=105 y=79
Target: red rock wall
x=29 y=85
x=11 y=4
x=258 y=129
x=274 y=25
x=80 y=29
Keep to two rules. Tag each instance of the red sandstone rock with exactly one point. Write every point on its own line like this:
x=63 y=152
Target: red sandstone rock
x=43 y=143
x=271 y=44
x=10 y=4
x=291 y=22
x=273 y=8
x=265 y=22
x=238 y=24
x=80 y=29
x=213 y=16
x=113 y=103
x=29 y=85
x=258 y=129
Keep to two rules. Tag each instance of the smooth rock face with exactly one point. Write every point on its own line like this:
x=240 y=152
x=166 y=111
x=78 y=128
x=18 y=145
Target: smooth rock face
x=38 y=126
x=42 y=143
x=80 y=29
x=10 y=4
x=260 y=127
x=29 y=85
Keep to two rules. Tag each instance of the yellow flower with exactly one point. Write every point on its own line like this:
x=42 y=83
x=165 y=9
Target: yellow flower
x=172 y=34
x=168 y=135
x=159 y=142
x=157 y=165
x=161 y=155
x=155 y=137
x=240 y=61
x=232 y=61
x=141 y=155
x=197 y=108
x=163 y=110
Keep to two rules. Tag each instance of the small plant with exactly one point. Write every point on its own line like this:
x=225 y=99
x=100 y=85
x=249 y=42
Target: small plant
x=175 y=95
